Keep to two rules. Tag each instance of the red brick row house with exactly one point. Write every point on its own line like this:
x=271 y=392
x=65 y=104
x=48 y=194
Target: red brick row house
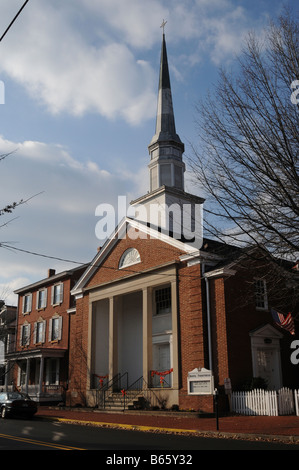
x=39 y=363
x=159 y=310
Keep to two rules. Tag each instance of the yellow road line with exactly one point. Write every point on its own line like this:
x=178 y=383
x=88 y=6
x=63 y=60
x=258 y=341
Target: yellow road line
x=39 y=443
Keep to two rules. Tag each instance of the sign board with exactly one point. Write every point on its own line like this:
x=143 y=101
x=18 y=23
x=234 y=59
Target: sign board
x=200 y=382
x=227 y=386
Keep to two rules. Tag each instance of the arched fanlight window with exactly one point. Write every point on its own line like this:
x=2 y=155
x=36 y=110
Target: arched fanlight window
x=129 y=257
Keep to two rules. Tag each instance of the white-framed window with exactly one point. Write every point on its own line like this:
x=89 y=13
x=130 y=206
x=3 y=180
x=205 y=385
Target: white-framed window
x=52 y=371
x=41 y=299
x=55 y=328
x=129 y=257
x=39 y=331
x=261 y=299
x=57 y=294
x=27 y=303
x=162 y=300
x=25 y=334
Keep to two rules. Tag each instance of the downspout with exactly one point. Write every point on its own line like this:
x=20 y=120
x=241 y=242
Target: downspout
x=208 y=319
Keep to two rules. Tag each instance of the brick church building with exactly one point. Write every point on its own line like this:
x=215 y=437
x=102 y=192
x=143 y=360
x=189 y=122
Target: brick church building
x=167 y=311
x=160 y=310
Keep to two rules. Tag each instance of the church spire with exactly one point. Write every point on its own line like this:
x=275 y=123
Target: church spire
x=166 y=148
x=165 y=122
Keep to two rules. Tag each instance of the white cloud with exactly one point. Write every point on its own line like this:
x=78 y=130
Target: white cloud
x=65 y=72
x=60 y=221
x=81 y=56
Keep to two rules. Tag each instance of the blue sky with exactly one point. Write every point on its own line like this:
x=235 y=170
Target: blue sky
x=81 y=79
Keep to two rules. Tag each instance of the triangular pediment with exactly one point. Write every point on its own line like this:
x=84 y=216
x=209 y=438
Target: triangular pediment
x=120 y=233
x=266 y=331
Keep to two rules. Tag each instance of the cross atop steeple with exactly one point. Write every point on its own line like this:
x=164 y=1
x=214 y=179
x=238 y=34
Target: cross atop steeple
x=163 y=25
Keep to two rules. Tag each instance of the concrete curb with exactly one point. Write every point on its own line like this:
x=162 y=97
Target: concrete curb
x=194 y=432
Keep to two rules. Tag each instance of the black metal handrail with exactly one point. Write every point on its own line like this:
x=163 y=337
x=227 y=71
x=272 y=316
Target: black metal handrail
x=138 y=387
x=114 y=384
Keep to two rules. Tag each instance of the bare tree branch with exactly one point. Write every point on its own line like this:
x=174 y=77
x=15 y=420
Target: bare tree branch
x=247 y=160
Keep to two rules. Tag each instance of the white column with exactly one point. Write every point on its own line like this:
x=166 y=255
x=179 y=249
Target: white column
x=147 y=332
x=174 y=342
x=113 y=338
x=27 y=374
x=41 y=374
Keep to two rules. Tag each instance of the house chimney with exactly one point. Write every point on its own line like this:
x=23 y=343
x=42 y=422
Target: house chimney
x=51 y=272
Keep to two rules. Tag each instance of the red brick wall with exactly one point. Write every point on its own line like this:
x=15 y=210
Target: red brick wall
x=219 y=330
x=192 y=329
x=78 y=350
x=46 y=314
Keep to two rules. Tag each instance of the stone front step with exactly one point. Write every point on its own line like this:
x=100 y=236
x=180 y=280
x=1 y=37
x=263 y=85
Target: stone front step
x=132 y=401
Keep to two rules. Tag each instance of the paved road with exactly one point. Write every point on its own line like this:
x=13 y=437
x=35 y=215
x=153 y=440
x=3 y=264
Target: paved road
x=38 y=434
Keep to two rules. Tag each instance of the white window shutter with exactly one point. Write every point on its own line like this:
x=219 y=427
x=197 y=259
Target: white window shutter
x=60 y=328
x=50 y=330
x=46 y=297
x=61 y=293
x=34 y=333
x=21 y=334
x=44 y=331
x=29 y=334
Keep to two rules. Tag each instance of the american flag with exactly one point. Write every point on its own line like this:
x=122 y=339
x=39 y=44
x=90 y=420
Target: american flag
x=284 y=322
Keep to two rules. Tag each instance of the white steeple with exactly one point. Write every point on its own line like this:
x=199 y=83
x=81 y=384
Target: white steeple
x=166 y=149
x=167 y=207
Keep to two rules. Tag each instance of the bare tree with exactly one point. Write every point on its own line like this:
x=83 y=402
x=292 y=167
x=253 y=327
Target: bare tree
x=247 y=158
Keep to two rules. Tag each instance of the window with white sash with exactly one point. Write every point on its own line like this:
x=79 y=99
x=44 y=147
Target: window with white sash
x=57 y=294
x=39 y=331
x=55 y=328
x=41 y=299
x=261 y=299
x=52 y=371
x=25 y=334
x=163 y=300
x=27 y=303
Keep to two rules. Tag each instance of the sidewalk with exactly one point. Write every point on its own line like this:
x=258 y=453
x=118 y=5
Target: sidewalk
x=283 y=428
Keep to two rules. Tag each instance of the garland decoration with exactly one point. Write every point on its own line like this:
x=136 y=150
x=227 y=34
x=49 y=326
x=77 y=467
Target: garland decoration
x=162 y=375
x=101 y=378
x=156 y=372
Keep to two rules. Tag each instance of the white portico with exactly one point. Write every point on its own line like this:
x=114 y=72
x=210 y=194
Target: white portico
x=134 y=328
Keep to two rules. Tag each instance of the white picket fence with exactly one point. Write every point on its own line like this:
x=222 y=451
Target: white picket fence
x=267 y=403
